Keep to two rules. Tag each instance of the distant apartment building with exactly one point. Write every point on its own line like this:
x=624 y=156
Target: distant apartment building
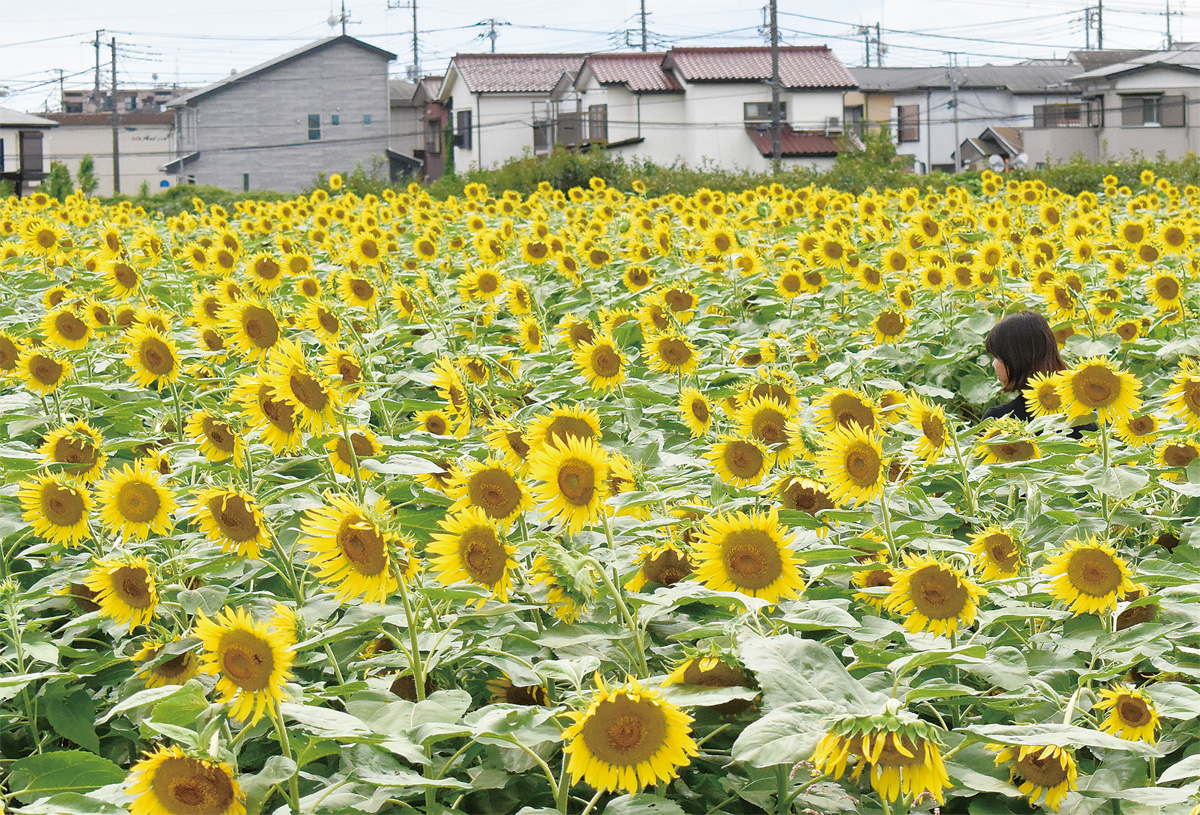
x=100 y=99
x=145 y=141
x=322 y=108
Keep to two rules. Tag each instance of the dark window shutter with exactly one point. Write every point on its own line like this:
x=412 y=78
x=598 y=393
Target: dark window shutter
x=1131 y=111
x=1172 y=112
x=908 y=123
x=462 y=130
x=1039 y=115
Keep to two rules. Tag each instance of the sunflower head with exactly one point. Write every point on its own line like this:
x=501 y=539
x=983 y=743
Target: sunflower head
x=252 y=659
x=853 y=464
x=125 y=590
x=471 y=548
x=1095 y=386
x=351 y=548
x=748 y=553
x=1088 y=576
x=997 y=553
x=1039 y=770
x=934 y=596
x=1131 y=713
x=170 y=782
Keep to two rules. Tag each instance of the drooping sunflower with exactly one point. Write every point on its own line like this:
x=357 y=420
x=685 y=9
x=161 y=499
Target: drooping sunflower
x=747 y=553
x=1039 y=770
x=1131 y=713
x=803 y=494
x=997 y=554
x=169 y=782
x=56 y=508
x=933 y=596
x=715 y=671
x=695 y=410
x=492 y=486
x=739 y=461
x=931 y=420
x=472 y=548
x=568 y=579
x=1042 y=396
x=350 y=548
x=671 y=352
x=573 y=480
x=135 y=503
x=1005 y=442
x=314 y=403
x=1094 y=385
x=664 y=563
x=1184 y=394
x=900 y=750
x=344 y=458
x=160 y=670
x=218 y=439
x=853 y=464
x=601 y=363
x=627 y=739
x=562 y=424
x=1176 y=455
x=42 y=371
x=842 y=407
x=1088 y=576
x=505 y=692
x=251 y=659
x=125 y=590
x=232 y=519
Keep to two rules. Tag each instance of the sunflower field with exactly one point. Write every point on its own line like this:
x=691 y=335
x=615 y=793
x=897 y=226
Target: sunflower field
x=599 y=503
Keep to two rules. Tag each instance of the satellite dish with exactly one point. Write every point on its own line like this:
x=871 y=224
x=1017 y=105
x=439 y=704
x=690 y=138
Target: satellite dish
x=996 y=163
x=1021 y=161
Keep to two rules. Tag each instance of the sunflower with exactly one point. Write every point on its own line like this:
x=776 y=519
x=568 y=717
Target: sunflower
x=889 y=326
x=1176 y=455
x=364 y=446
x=492 y=486
x=899 y=749
x=662 y=563
x=265 y=272
x=313 y=402
x=253 y=326
x=169 y=782
x=471 y=548
x=747 y=553
x=853 y=464
x=842 y=407
x=42 y=371
x=695 y=410
x=505 y=692
x=569 y=581
x=160 y=670
x=739 y=461
x=713 y=672
x=66 y=329
x=574 y=480
x=322 y=321
x=232 y=519
x=1163 y=289
x=1088 y=576
x=274 y=418
x=10 y=352
x=153 y=357
x=627 y=739
x=350 y=548
x=1138 y=430
x=357 y=290
x=1041 y=394
x=1004 y=442
x=450 y=386
x=1131 y=714
x=803 y=495
x=217 y=438
x=56 y=508
x=1184 y=394
x=997 y=554
x=1096 y=386
x=562 y=424
x=601 y=363
x=125 y=590
x=1039 y=770
x=252 y=659
x=78 y=448
x=931 y=420
x=935 y=597
x=671 y=352
x=766 y=420
x=135 y=503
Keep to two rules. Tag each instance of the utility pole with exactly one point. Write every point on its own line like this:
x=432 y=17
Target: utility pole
x=1100 y=24
x=865 y=30
x=96 y=91
x=776 y=123
x=492 y=33
x=116 y=124
x=343 y=18
x=1087 y=28
x=416 y=66
x=643 y=26
x=878 y=47
x=62 y=92
x=1169 y=43
x=953 y=74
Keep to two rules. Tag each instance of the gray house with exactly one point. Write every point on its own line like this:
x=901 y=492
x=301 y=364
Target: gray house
x=323 y=108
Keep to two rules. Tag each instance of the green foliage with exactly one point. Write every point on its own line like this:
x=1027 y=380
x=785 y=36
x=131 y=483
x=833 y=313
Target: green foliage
x=87 y=175
x=7 y=189
x=58 y=182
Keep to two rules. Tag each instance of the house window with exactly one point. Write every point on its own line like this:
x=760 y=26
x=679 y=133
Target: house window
x=366 y=118
x=462 y=129
x=854 y=117
x=314 y=127
x=335 y=120
x=1058 y=115
x=761 y=111
x=433 y=137
x=598 y=123
x=908 y=123
x=1155 y=110
x=543 y=137
x=245 y=182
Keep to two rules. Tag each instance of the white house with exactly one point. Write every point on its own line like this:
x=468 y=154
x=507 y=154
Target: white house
x=145 y=138
x=21 y=158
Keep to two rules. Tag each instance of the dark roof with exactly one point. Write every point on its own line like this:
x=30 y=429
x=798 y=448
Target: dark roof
x=1180 y=60
x=129 y=117
x=1017 y=79
x=809 y=66
x=640 y=72
x=794 y=143
x=401 y=91
x=514 y=73
x=311 y=48
x=15 y=118
x=1091 y=60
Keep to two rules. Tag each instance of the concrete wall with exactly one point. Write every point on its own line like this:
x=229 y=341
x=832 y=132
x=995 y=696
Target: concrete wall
x=143 y=147
x=260 y=128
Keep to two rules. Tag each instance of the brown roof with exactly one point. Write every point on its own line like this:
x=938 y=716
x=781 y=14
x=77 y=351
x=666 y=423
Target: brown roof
x=809 y=66
x=641 y=72
x=515 y=73
x=794 y=143
x=128 y=117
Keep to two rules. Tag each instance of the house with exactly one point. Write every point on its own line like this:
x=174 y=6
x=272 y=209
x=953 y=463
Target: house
x=322 y=108
x=146 y=139
x=435 y=124
x=406 y=130
x=995 y=148
x=929 y=111
x=21 y=155
x=1144 y=105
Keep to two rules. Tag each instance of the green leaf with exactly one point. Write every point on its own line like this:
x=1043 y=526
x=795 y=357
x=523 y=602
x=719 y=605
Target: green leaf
x=10 y=686
x=642 y=804
x=1117 y=482
x=146 y=697
x=786 y=735
x=1060 y=735
x=1004 y=667
x=790 y=669
x=1175 y=700
x=321 y=721
x=77 y=771
x=72 y=803
x=401 y=464
x=73 y=717
x=1185 y=768
x=184 y=707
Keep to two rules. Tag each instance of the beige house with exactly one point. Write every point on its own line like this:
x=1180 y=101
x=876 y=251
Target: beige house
x=22 y=161
x=146 y=139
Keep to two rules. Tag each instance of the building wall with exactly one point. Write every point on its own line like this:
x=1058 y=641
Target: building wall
x=501 y=125
x=143 y=148
x=654 y=117
x=260 y=128
x=406 y=131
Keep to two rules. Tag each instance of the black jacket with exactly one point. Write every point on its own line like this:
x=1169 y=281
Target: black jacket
x=1019 y=410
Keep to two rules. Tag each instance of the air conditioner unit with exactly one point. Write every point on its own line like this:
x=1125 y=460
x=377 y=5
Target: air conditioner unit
x=833 y=126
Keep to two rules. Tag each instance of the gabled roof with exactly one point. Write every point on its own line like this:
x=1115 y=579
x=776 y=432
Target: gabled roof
x=640 y=72
x=794 y=143
x=1100 y=58
x=129 y=117
x=809 y=66
x=311 y=48
x=511 y=73
x=15 y=118
x=1016 y=79
x=1182 y=60
x=400 y=91
x=427 y=89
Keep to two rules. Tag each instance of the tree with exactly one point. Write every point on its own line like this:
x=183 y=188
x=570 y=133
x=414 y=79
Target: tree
x=58 y=181
x=87 y=175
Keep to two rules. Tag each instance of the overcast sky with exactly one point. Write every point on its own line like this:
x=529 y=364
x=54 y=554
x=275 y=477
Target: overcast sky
x=193 y=44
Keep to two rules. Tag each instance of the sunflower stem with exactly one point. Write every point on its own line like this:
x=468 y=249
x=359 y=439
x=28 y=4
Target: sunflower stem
x=968 y=493
x=414 y=657
x=286 y=746
x=358 y=484
x=178 y=413
x=592 y=803
x=634 y=629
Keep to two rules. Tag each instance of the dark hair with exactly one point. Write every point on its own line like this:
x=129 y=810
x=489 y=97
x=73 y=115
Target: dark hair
x=1025 y=344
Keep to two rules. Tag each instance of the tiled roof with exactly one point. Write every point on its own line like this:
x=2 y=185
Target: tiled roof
x=515 y=73
x=794 y=143
x=641 y=72
x=812 y=66
x=129 y=117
